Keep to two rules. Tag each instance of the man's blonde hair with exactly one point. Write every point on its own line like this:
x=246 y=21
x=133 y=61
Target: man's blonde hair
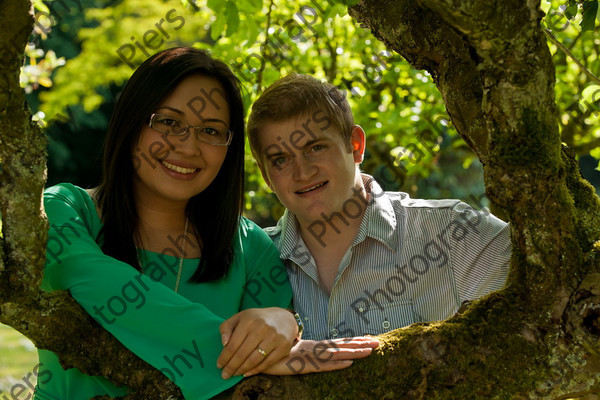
x=298 y=95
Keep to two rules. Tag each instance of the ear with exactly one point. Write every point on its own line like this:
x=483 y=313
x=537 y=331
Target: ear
x=357 y=141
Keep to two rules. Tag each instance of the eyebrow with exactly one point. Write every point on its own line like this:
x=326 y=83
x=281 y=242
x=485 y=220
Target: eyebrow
x=171 y=108
x=274 y=154
x=178 y=111
x=279 y=153
x=213 y=120
x=311 y=142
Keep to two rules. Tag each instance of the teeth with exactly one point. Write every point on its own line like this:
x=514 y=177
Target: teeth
x=311 y=188
x=178 y=169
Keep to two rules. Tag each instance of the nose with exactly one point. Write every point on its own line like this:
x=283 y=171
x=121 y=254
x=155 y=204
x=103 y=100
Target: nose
x=188 y=143
x=304 y=168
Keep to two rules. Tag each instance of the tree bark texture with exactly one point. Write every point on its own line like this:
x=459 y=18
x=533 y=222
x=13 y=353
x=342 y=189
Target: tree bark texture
x=52 y=321
x=537 y=338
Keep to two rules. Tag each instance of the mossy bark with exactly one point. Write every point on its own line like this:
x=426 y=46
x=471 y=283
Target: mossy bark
x=537 y=338
x=52 y=321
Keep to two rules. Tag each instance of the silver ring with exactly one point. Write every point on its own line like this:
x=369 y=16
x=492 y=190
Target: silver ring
x=261 y=351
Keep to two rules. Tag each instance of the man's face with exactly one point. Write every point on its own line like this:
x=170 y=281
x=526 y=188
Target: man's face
x=306 y=162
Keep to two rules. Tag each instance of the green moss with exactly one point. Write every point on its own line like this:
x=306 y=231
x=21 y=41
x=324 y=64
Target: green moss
x=516 y=150
x=474 y=355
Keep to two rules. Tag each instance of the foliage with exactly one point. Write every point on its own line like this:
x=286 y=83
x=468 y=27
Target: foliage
x=412 y=146
x=17 y=357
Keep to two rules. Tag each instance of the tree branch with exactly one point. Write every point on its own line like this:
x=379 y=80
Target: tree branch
x=565 y=50
x=259 y=76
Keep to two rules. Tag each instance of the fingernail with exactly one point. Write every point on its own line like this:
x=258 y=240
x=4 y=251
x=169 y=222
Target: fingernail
x=225 y=375
x=224 y=339
x=247 y=374
x=219 y=365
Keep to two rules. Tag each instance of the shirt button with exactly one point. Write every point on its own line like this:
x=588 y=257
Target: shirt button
x=334 y=332
x=306 y=318
x=360 y=309
x=386 y=324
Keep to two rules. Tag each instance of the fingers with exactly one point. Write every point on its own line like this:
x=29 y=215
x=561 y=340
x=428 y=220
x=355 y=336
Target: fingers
x=308 y=356
x=332 y=354
x=355 y=342
x=350 y=348
x=268 y=358
x=333 y=365
x=227 y=327
x=345 y=354
x=257 y=361
x=236 y=352
x=241 y=354
x=272 y=330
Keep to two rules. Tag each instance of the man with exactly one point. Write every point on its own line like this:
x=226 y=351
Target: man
x=361 y=260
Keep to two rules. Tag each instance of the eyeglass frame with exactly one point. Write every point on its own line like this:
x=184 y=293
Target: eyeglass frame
x=185 y=131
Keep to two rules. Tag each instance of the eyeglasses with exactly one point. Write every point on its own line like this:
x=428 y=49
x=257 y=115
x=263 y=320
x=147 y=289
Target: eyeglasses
x=217 y=136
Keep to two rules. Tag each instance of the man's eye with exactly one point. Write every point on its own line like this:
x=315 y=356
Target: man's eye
x=317 y=147
x=279 y=161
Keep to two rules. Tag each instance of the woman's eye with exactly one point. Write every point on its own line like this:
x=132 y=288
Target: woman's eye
x=211 y=131
x=170 y=122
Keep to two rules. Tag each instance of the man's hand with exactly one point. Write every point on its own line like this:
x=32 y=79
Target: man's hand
x=309 y=356
x=255 y=339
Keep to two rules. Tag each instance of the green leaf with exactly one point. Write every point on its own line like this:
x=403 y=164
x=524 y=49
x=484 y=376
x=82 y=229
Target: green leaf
x=233 y=18
x=253 y=31
x=250 y=5
x=571 y=11
x=336 y=9
x=40 y=6
x=591 y=94
x=216 y=29
x=216 y=5
x=590 y=9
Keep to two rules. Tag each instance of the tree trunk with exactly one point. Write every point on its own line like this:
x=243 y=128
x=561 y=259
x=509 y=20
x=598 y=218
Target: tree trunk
x=537 y=338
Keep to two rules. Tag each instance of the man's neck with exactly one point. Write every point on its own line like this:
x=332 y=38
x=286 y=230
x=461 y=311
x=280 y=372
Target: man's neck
x=329 y=247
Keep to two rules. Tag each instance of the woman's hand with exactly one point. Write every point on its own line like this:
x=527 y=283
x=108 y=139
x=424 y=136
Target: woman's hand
x=309 y=356
x=256 y=338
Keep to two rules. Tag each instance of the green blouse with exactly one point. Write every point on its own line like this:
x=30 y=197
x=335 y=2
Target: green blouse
x=177 y=333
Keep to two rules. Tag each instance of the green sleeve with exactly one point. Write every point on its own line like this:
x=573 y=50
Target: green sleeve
x=267 y=283
x=176 y=336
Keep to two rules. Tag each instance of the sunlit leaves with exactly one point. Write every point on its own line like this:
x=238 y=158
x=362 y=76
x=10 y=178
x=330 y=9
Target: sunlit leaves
x=263 y=40
x=39 y=69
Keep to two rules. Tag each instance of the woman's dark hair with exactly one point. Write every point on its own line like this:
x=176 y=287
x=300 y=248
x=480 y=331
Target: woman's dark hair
x=215 y=212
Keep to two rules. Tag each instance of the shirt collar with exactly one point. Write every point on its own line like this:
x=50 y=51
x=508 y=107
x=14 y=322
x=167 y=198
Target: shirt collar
x=379 y=222
x=290 y=236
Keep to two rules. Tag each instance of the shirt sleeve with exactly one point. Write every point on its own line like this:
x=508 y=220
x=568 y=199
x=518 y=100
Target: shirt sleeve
x=176 y=336
x=480 y=252
x=267 y=282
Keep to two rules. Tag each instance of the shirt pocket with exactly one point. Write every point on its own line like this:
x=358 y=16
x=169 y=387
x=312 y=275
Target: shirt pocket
x=377 y=319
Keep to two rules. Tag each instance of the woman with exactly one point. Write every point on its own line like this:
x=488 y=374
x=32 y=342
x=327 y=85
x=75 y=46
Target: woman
x=159 y=254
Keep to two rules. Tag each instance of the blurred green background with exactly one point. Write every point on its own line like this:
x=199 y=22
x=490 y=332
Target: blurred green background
x=82 y=52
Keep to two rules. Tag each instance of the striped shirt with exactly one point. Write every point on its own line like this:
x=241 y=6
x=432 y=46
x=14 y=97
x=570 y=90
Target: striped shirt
x=412 y=260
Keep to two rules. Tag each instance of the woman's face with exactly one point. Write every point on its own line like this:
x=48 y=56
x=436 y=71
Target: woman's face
x=175 y=168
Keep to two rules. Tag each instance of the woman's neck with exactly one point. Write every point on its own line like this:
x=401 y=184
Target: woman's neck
x=161 y=227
